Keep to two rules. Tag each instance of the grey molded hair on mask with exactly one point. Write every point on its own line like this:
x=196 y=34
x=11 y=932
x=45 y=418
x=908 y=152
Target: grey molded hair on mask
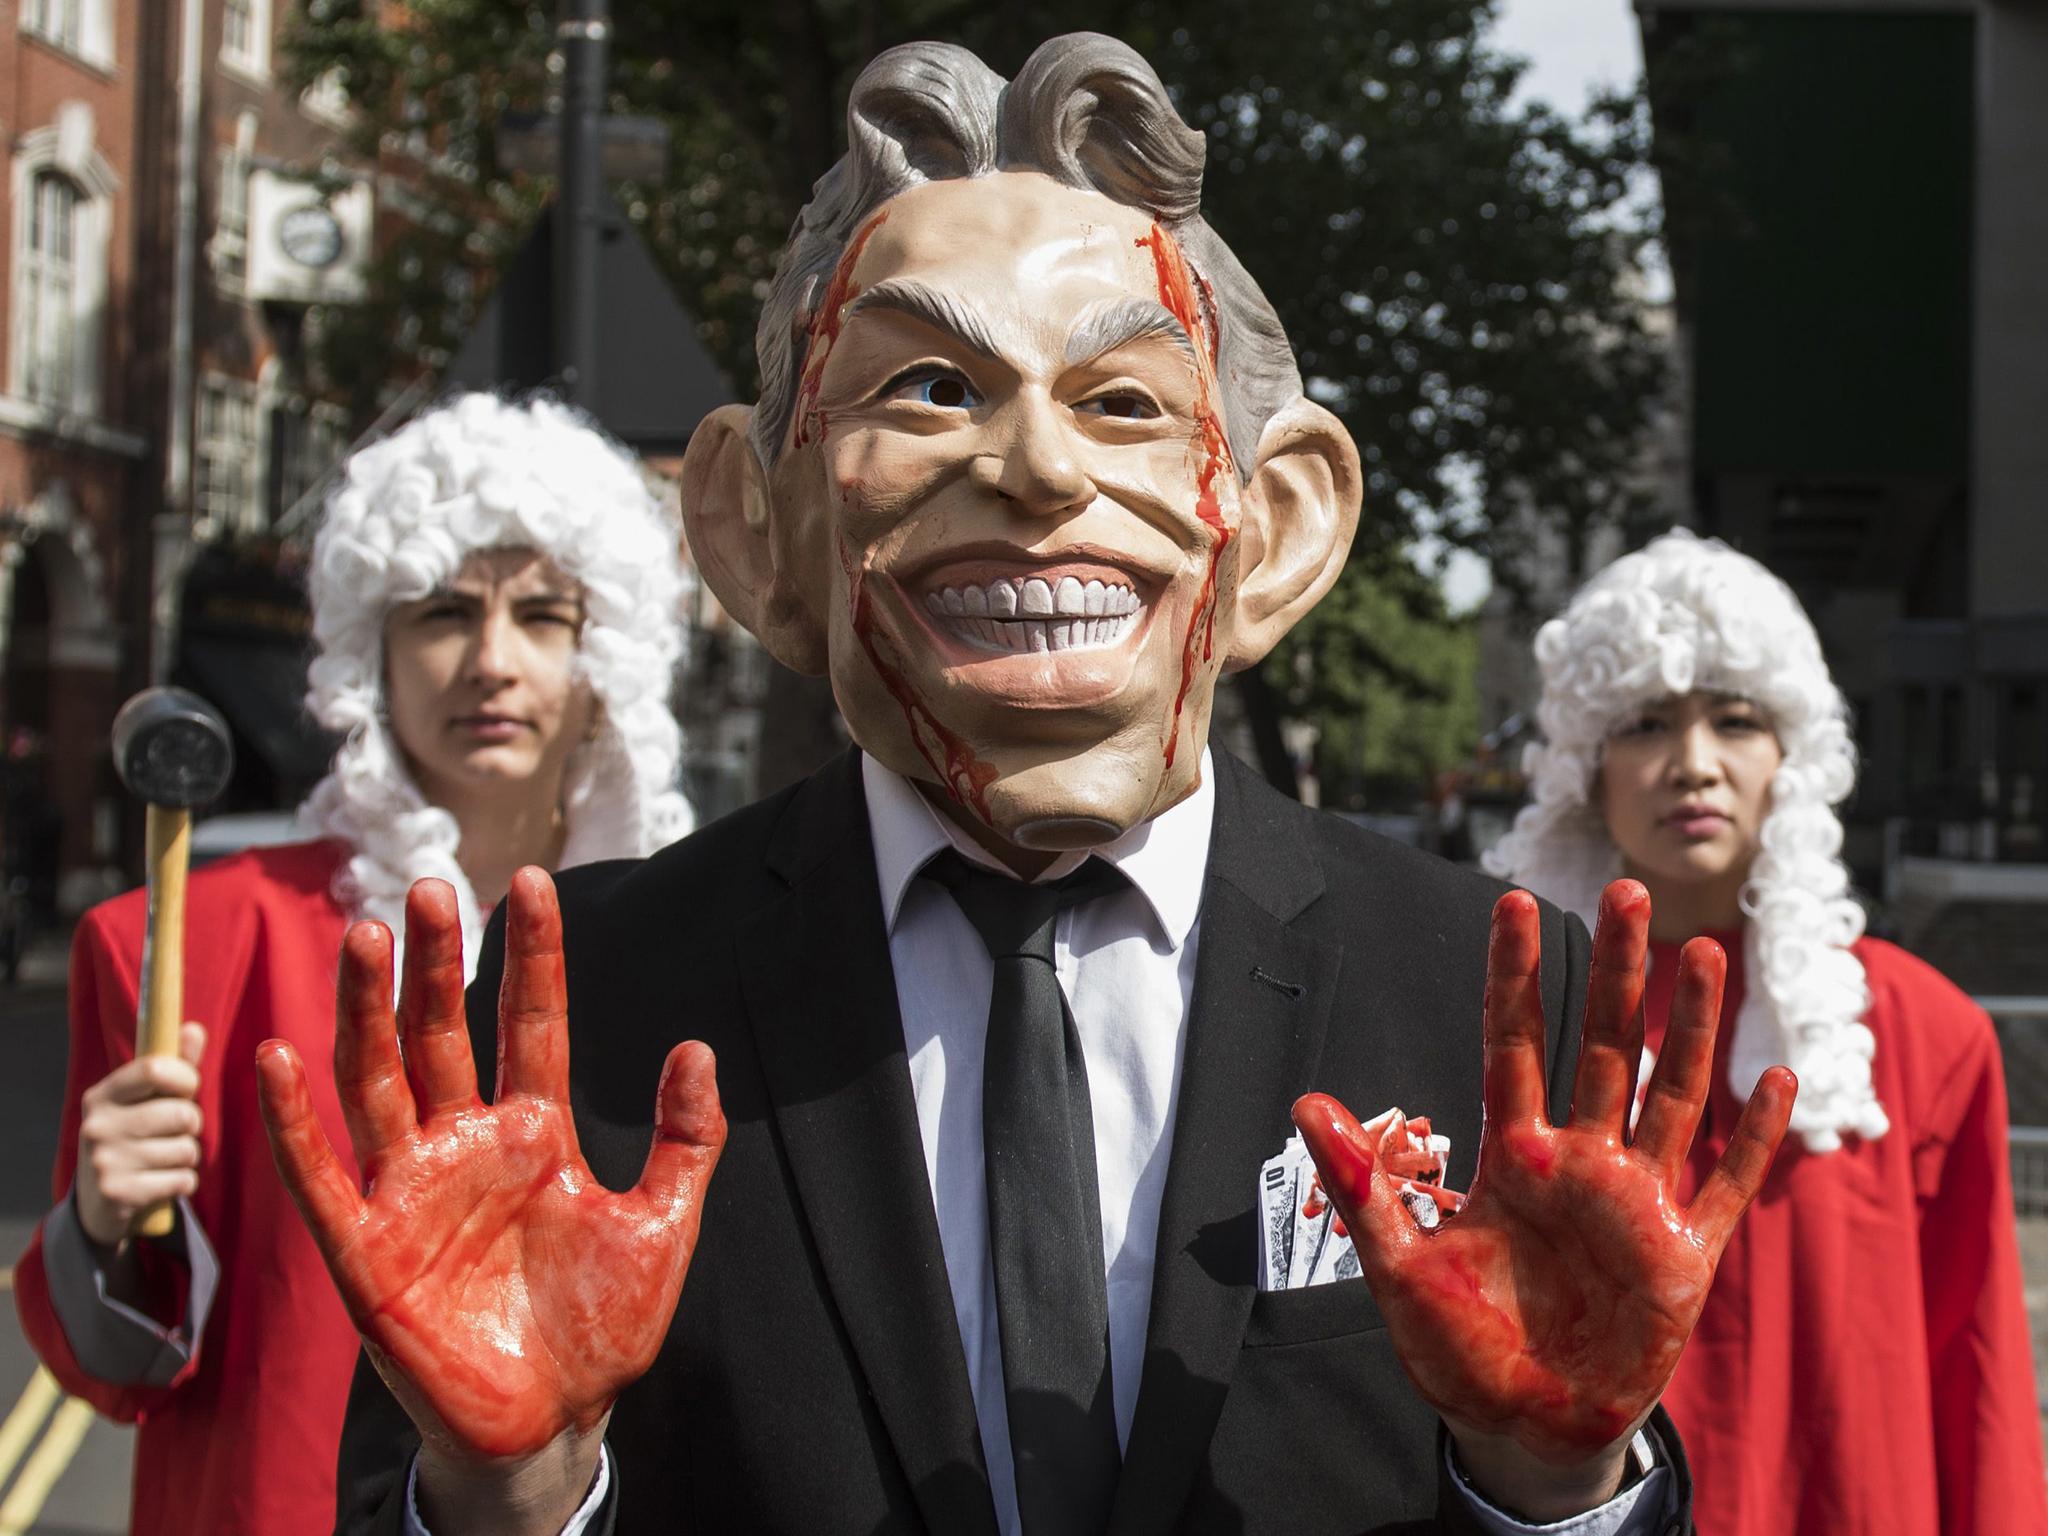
x=1087 y=111
x=1686 y=614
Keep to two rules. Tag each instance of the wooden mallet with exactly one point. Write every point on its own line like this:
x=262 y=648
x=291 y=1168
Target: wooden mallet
x=173 y=751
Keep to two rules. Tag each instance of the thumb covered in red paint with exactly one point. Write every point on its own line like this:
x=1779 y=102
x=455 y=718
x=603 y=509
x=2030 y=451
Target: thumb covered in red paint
x=689 y=1133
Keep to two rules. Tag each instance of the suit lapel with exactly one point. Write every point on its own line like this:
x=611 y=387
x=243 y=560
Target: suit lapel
x=822 y=998
x=1261 y=1001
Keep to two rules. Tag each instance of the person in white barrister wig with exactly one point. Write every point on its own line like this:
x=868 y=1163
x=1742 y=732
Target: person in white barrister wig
x=1863 y=1362
x=495 y=597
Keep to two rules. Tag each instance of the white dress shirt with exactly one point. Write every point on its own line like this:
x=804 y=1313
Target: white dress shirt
x=1127 y=965
x=1126 y=962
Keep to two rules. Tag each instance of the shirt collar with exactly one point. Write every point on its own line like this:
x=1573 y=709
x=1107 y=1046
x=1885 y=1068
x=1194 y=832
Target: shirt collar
x=1165 y=858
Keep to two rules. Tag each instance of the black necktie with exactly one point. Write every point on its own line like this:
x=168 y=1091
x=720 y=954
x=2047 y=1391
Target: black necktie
x=1044 y=1216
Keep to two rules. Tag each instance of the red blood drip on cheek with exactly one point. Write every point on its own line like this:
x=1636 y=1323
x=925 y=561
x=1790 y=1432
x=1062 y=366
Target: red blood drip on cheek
x=965 y=776
x=1177 y=292
x=824 y=332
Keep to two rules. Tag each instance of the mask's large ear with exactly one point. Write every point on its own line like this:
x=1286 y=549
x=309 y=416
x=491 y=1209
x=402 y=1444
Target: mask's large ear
x=727 y=520
x=1300 y=512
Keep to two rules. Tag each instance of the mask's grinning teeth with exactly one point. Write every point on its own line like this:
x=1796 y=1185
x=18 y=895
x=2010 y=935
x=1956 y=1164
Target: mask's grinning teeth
x=1007 y=618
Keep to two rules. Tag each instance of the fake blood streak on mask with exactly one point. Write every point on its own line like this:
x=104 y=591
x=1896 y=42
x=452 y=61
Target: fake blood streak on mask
x=965 y=776
x=824 y=332
x=1177 y=293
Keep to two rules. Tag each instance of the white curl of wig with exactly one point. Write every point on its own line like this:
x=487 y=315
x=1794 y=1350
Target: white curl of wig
x=479 y=473
x=1680 y=615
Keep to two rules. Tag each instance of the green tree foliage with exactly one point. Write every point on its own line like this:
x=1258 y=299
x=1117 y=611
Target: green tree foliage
x=1390 y=678
x=1453 y=269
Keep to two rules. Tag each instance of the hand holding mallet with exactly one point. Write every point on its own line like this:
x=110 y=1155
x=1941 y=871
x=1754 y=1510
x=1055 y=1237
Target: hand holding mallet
x=172 y=751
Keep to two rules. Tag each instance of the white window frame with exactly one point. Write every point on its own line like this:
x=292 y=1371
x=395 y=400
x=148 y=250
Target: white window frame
x=248 y=57
x=82 y=28
x=229 y=248
x=46 y=288
x=227 y=456
x=63 y=148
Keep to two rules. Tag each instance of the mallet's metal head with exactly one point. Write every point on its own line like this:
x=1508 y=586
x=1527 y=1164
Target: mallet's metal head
x=172 y=748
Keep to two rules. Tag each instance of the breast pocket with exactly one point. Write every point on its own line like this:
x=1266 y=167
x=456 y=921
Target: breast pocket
x=1311 y=1314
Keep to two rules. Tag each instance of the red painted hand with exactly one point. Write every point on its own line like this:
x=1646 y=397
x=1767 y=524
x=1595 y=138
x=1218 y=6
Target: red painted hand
x=505 y=1295
x=1548 y=1315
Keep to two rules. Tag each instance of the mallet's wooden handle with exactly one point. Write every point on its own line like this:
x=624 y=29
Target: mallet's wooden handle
x=162 y=1004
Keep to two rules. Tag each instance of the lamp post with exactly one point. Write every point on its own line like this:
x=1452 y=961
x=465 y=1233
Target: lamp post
x=583 y=36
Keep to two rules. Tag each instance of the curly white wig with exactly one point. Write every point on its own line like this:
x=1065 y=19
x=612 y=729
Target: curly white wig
x=1686 y=614
x=479 y=473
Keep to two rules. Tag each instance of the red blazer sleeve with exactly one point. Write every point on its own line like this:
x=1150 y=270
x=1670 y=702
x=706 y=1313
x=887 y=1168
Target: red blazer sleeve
x=102 y=1017
x=1987 y=1425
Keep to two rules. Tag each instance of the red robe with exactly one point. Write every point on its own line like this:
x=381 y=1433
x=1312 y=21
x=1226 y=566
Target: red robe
x=243 y=1442
x=1863 y=1366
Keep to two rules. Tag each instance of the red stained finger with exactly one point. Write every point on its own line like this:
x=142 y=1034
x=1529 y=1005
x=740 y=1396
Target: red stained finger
x=1347 y=1158
x=689 y=1133
x=1744 y=1166
x=376 y=1101
x=1685 y=1066
x=430 y=1016
x=1611 y=1044
x=533 y=1001
x=325 y=1195
x=1514 y=1014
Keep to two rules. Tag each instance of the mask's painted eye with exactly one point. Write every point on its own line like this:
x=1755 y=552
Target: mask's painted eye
x=940 y=387
x=1123 y=405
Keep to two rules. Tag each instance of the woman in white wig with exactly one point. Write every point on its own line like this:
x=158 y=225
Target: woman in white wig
x=495 y=600
x=1863 y=1362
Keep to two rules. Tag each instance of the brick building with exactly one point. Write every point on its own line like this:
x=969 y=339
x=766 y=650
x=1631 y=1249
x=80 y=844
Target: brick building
x=174 y=219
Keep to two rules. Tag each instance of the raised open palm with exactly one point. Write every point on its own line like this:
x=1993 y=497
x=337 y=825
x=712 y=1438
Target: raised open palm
x=504 y=1294
x=1551 y=1310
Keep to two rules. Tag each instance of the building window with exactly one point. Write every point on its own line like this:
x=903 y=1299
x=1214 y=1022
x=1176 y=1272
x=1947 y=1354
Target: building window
x=49 y=290
x=82 y=28
x=306 y=445
x=229 y=249
x=55 y=21
x=225 y=497
x=245 y=37
x=63 y=192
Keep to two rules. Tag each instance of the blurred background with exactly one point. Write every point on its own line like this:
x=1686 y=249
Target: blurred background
x=1571 y=271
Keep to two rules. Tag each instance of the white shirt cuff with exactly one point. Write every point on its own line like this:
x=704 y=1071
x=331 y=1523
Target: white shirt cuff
x=1635 y=1511
x=578 y=1522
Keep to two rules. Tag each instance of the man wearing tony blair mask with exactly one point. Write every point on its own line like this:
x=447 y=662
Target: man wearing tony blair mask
x=1013 y=1007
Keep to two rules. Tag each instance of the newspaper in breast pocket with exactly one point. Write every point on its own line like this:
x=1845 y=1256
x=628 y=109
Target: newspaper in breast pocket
x=1276 y=1215
x=1302 y=1239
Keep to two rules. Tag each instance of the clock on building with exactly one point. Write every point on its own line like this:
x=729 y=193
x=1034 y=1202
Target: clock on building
x=310 y=235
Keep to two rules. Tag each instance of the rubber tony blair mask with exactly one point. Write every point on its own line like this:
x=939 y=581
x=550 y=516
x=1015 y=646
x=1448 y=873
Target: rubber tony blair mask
x=1032 y=466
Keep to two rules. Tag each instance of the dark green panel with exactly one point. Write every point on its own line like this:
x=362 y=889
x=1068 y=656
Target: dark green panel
x=1831 y=291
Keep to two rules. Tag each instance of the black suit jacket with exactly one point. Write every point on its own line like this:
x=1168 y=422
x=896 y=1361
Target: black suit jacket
x=813 y=1381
